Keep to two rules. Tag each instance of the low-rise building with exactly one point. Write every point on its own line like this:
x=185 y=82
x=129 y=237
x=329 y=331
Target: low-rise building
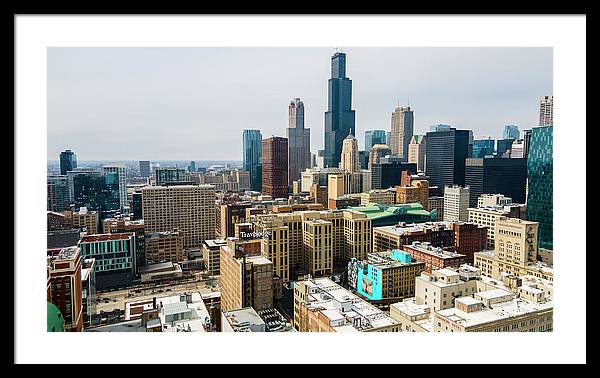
x=249 y=320
x=64 y=285
x=386 y=238
x=378 y=196
x=164 y=271
x=385 y=276
x=321 y=305
x=434 y=257
x=166 y=246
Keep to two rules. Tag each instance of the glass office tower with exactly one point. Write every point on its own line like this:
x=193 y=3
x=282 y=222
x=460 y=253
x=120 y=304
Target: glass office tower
x=252 y=157
x=339 y=117
x=539 y=173
x=445 y=155
x=373 y=137
x=483 y=147
x=68 y=161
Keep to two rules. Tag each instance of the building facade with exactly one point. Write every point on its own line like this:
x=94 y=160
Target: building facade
x=252 y=157
x=496 y=175
x=540 y=183
x=165 y=246
x=416 y=151
x=402 y=131
x=547 y=111
x=275 y=167
x=64 y=276
x=445 y=156
x=188 y=208
x=298 y=141
x=68 y=161
x=456 y=203
x=339 y=117
x=373 y=137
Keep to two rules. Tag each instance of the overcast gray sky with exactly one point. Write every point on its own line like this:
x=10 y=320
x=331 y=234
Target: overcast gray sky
x=193 y=103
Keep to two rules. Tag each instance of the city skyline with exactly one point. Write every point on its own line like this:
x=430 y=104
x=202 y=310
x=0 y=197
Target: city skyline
x=93 y=86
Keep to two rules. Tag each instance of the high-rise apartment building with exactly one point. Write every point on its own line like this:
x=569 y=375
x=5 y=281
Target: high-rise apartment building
x=496 y=175
x=275 y=167
x=298 y=141
x=144 y=168
x=64 y=281
x=68 y=161
x=349 y=161
x=252 y=157
x=188 y=208
x=511 y=132
x=339 y=117
x=402 y=131
x=118 y=171
x=547 y=111
x=540 y=184
x=446 y=152
x=456 y=203
x=373 y=137
x=416 y=151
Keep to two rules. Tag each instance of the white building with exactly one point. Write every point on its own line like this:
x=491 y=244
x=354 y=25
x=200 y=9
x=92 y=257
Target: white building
x=456 y=203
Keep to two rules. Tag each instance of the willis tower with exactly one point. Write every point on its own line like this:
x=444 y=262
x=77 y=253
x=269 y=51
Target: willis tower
x=339 y=118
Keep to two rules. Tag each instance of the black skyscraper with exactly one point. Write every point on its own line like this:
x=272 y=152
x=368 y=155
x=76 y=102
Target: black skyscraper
x=339 y=118
x=445 y=155
x=68 y=161
x=496 y=176
x=503 y=145
x=389 y=174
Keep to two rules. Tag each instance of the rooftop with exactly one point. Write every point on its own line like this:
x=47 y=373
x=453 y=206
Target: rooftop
x=326 y=295
x=404 y=228
x=427 y=248
x=106 y=237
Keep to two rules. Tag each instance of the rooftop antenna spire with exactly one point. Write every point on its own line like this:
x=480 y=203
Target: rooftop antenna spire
x=408 y=101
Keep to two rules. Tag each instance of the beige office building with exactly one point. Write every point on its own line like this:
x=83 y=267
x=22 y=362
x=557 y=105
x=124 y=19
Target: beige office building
x=487 y=216
x=166 y=246
x=515 y=251
x=416 y=192
x=456 y=203
x=245 y=282
x=416 y=151
x=86 y=219
x=378 y=196
x=189 y=208
x=349 y=160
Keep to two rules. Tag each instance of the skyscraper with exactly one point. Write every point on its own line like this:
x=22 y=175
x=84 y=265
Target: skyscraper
x=144 y=168
x=68 y=161
x=58 y=193
x=511 y=132
x=539 y=173
x=503 y=146
x=97 y=191
x=339 y=118
x=496 y=175
x=416 y=151
x=121 y=172
x=275 y=167
x=445 y=155
x=483 y=148
x=350 y=162
x=298 y=141
x=547 y=111
x=373 y=137
x=402 y=131
x=165 y=175
x=252 y=157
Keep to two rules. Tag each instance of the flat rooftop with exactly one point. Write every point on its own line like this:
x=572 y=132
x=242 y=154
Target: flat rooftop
x=329 y=296
x=106 y=237
x=403 y=228
x=504 y=310
x=434 y=251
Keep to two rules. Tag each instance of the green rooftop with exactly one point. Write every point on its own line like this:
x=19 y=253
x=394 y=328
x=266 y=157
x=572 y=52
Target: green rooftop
x=388 y=215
